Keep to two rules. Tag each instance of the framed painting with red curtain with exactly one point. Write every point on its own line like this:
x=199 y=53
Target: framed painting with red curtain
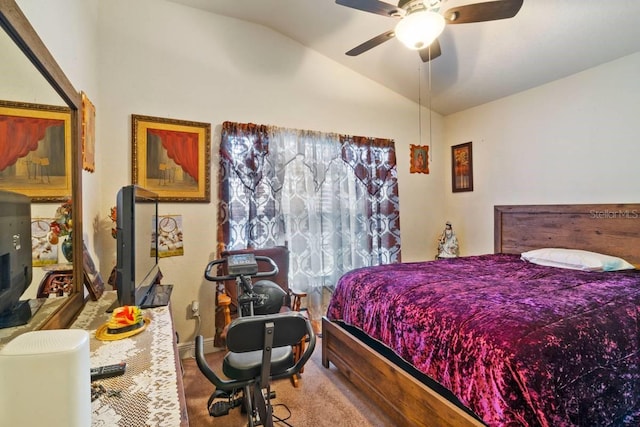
x=172 y=158
x=35 y=150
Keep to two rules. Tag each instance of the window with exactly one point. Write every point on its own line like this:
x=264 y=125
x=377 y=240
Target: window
x=332 y=198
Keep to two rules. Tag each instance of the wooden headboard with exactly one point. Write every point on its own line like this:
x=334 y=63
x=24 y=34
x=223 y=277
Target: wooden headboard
x=612 y=229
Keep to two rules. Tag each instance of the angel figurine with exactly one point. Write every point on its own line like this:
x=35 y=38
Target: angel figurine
x=448 y=243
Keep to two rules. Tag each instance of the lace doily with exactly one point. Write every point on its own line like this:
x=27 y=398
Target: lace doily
x=147 y=395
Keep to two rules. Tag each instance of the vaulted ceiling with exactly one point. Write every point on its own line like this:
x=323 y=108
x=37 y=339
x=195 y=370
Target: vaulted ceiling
x=480 y=62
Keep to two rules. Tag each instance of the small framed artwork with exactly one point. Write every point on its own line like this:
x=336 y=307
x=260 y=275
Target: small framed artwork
x=35 y=150
x=88 y=134
x=419 y=159
x=172 y=158
x=462 y=167
x=92 y=278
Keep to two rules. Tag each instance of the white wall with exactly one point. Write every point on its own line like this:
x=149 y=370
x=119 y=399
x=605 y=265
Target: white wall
x=67 y=28
x=161 y=59
x=574 y=140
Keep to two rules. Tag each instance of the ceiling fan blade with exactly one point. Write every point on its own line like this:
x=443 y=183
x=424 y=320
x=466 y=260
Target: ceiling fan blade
x=373 y=6
x=369 y=44
x=435 y=51
x=480 y=12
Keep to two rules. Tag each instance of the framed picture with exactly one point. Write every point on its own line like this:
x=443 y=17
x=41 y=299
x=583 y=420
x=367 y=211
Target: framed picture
x=172 y=158
x=88 y=134
x=35 y=150
x=43 y=252
x=92 y=278
x=461 y=168
x=419 y=159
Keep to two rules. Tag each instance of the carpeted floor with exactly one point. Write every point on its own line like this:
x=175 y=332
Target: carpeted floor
x=324 y=398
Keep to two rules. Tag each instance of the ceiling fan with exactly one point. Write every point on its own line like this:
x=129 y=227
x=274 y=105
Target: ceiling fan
x=422 y=21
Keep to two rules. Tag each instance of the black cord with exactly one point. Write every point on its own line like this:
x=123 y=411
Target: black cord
x=282 y=420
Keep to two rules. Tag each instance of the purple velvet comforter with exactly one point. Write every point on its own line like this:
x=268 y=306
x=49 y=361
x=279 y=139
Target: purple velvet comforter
x=519 y=344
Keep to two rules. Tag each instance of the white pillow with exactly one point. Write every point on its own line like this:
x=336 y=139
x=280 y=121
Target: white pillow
x=576 y=259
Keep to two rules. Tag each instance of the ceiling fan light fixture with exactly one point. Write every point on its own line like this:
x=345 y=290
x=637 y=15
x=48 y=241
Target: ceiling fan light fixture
x=419 y=29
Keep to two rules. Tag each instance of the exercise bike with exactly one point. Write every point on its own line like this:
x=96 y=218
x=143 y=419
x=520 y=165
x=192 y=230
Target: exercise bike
x=259 y=341
x=242 y=268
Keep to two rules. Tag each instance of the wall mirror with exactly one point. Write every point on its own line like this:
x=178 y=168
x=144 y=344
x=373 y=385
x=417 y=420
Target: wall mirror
x=29 y=74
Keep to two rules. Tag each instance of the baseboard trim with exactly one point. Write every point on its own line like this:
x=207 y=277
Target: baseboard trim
x=188 y=349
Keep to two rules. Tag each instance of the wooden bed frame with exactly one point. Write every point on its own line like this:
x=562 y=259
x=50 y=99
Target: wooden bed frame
x=612 y=229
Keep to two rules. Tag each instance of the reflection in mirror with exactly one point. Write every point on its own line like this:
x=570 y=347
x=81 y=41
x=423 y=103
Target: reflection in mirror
x=21 y=82
x=28 y=74
x=36 y=142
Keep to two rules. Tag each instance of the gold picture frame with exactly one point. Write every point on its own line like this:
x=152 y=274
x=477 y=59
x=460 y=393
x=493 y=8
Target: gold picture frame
x=88 y=134
x=419 y=159
x=461 y=168
x=35 y=150
x=172 y=158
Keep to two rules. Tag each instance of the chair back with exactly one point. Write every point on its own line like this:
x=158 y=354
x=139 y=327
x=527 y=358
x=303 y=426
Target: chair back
x=248 y=333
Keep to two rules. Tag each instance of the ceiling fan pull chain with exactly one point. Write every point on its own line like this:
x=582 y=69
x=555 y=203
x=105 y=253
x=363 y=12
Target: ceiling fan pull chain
x=430 y=134
x=419 y=104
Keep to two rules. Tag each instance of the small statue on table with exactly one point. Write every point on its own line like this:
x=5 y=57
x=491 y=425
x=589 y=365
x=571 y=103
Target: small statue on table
x=448 y=243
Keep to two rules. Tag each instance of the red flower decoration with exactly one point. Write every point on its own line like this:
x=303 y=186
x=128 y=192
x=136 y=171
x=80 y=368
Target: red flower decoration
x=113 y=215
x=63 y=222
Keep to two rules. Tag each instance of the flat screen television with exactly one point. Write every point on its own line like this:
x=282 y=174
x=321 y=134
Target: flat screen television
x=137 y=269
x=15 y=258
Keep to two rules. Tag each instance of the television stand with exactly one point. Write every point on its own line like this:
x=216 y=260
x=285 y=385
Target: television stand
x=113 y=306
x=20 y=314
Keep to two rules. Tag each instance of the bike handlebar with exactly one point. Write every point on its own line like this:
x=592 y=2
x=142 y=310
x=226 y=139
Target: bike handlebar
x=216 y=278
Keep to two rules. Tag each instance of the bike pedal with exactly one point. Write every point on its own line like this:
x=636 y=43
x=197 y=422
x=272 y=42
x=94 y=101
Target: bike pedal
x=218 y=394
x=219 y=409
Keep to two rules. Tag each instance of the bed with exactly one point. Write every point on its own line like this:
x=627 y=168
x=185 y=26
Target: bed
x=529 y=384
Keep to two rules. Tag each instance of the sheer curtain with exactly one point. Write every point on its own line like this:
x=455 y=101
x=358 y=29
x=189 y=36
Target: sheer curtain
x=324 y=212
x=332 y=198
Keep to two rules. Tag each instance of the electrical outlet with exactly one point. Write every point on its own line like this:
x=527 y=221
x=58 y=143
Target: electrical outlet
x=195 y=309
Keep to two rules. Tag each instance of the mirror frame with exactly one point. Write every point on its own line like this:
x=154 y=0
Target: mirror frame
x=17 y=26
